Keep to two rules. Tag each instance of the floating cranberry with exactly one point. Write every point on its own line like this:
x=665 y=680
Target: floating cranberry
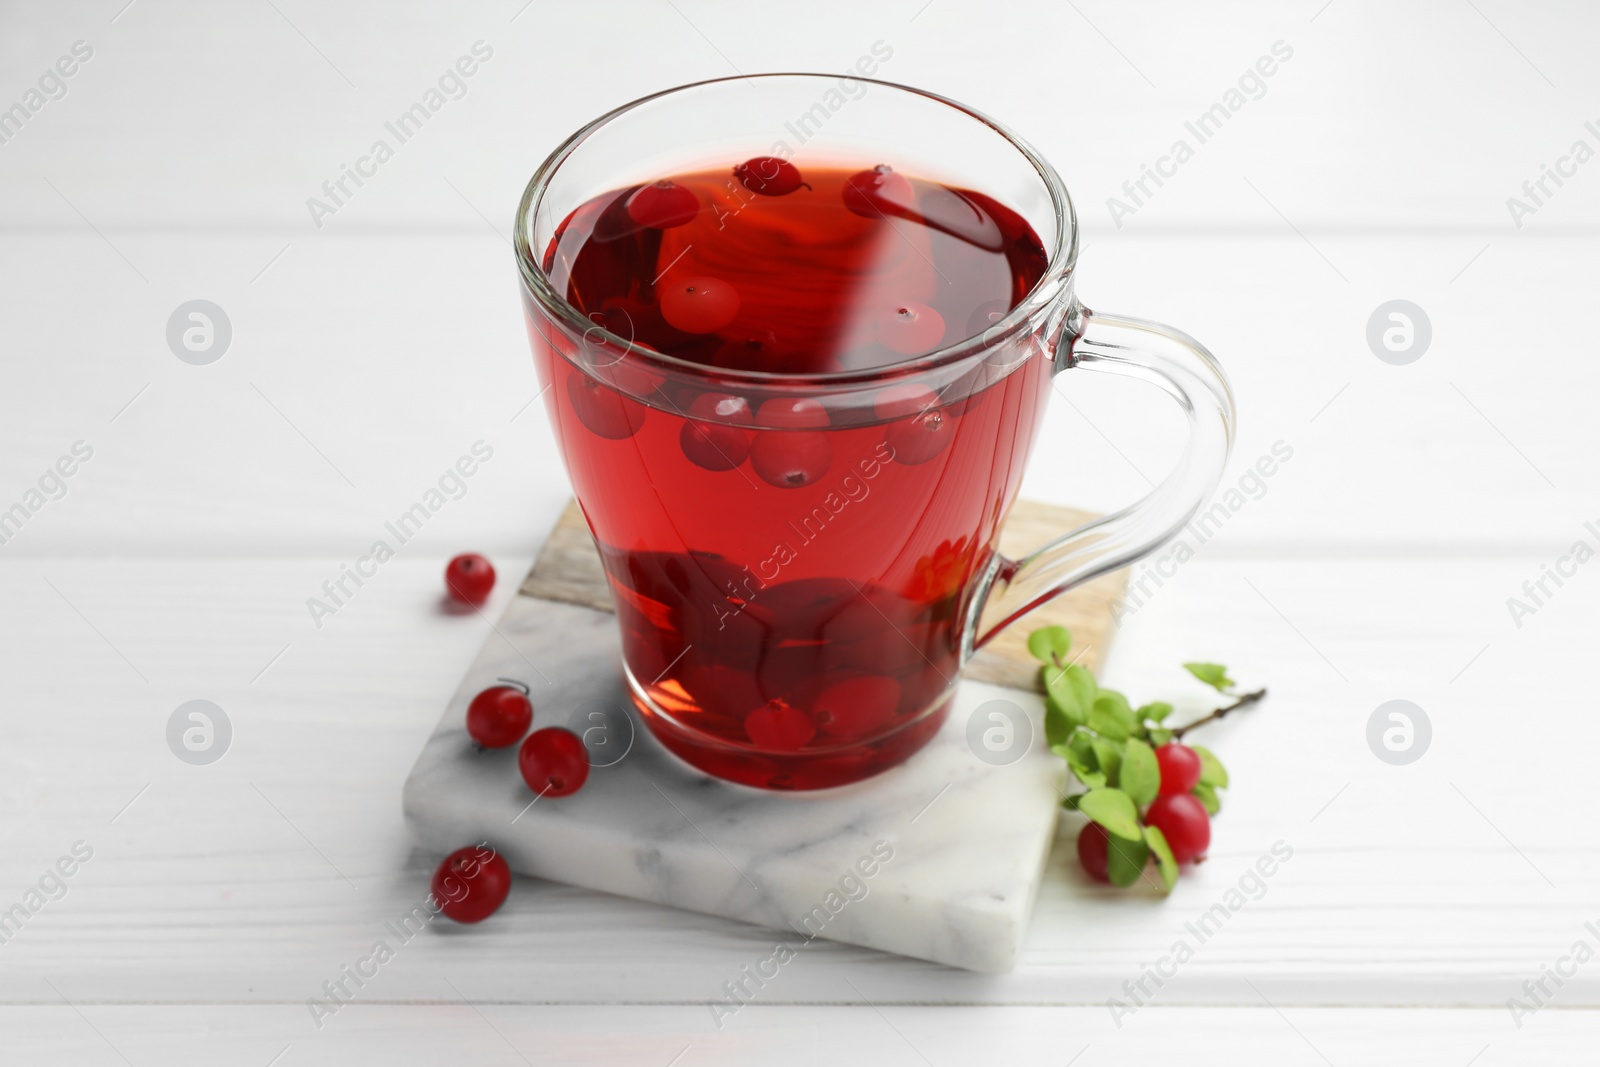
x=604 y=411
x=791 y=459
x=792 y=413
x=857 y=707
x=1180 y=768
x=470 y=578
x=553 y=762
x=1183 y=821
x=778 y=727
x=471 y=884
x=1094 y=851
x=921 y=437
x=698 y=304
x=499 y=716
x=712 y=446
x=721 y=407
x=900 y=401
x=662 y=205
x=911 y=329
x=768 y=176
x=878 y=192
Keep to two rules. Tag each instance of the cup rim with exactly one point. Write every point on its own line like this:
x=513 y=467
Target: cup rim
x=1063 y=255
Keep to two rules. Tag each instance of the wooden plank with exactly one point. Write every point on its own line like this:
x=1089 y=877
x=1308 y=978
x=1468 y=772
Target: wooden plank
x=568 y=571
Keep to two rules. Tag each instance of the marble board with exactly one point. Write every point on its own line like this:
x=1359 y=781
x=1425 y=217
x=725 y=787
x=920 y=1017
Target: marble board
x=937 y=859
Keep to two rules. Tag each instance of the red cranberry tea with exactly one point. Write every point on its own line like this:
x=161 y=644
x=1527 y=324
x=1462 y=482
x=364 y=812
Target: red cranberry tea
x=790 y=567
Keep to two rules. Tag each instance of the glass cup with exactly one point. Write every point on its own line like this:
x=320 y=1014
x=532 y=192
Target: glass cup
x=799 y=619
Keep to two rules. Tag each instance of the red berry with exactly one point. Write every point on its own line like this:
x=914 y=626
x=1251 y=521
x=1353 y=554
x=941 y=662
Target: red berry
x=1183 y=821
x=921 y=437
x=603 y=410
x=1180 y=768
x=791 y=459
x=778 y=727
x=768 y=176
x=911 y=329
x=663 y=205
x=878 y=192
x=1093 y=851
x=699 y=304
x=857 y=707
x=553 y=762
x=792 y=413
x=714 y=447
x=723 y=407
x=900 y=401
x=469 y=577
x=499 y=716
x=471 y=884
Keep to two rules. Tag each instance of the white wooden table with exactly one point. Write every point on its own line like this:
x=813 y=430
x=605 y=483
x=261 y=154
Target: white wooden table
x=369 y=353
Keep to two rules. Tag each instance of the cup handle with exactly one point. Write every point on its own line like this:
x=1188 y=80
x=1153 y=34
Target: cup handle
x=1181 y=367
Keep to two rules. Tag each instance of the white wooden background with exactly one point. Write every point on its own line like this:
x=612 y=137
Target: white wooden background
x=370 y=353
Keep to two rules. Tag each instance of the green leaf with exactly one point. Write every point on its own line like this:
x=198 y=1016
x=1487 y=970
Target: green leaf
x=1160 y=737
x=1155 y=712
x=1108 y=755
x=1112 y=809
x=1057 y=725
x=1110 y=715
x=1072 y=687
x=1071 y=803
x=1213 y=674
x=1080 y=756
x=1125 y=860
x=1163 y=853
x=1212 y=772
x=1050 y=642
x=1140 y=775
x=1208 y=798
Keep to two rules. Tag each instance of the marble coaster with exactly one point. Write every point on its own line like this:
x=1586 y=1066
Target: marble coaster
x=938 y=858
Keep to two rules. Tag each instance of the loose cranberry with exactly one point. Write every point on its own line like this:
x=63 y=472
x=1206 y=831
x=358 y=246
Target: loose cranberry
x=1183 y=821
x=768 y=176
x=921 y=437
x=699 y=304
x=792 y=413
x=470 y=578
x=857 y=707
x=1094 y=851
x=499 y=716
x=471 y=884
x=791 y=459
x=900 y=401
x=714 y=447
x=1180 y=768
x=878 y=192
x=911 y=329
x=553 y=762
x=662 y=205
x=779 y=727
x=604 y=411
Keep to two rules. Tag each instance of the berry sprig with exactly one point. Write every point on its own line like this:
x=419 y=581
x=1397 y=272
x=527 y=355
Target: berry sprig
x=1146 y=792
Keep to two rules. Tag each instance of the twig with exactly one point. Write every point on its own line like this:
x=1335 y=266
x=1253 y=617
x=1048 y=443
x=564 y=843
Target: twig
x=1246 y=699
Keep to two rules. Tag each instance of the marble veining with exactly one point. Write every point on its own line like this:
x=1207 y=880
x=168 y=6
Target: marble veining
x=955 y=846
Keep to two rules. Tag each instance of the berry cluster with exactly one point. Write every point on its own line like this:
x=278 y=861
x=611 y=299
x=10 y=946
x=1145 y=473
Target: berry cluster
x=473 y=882
x=1147 y=793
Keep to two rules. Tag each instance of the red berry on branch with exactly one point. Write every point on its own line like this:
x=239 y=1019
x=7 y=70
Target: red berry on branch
x=1093 y=851
x=1180 y=768
x=553 y=762
x=1183 y=821
x=471 y=884
x=470 y=578
x=499 y=716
